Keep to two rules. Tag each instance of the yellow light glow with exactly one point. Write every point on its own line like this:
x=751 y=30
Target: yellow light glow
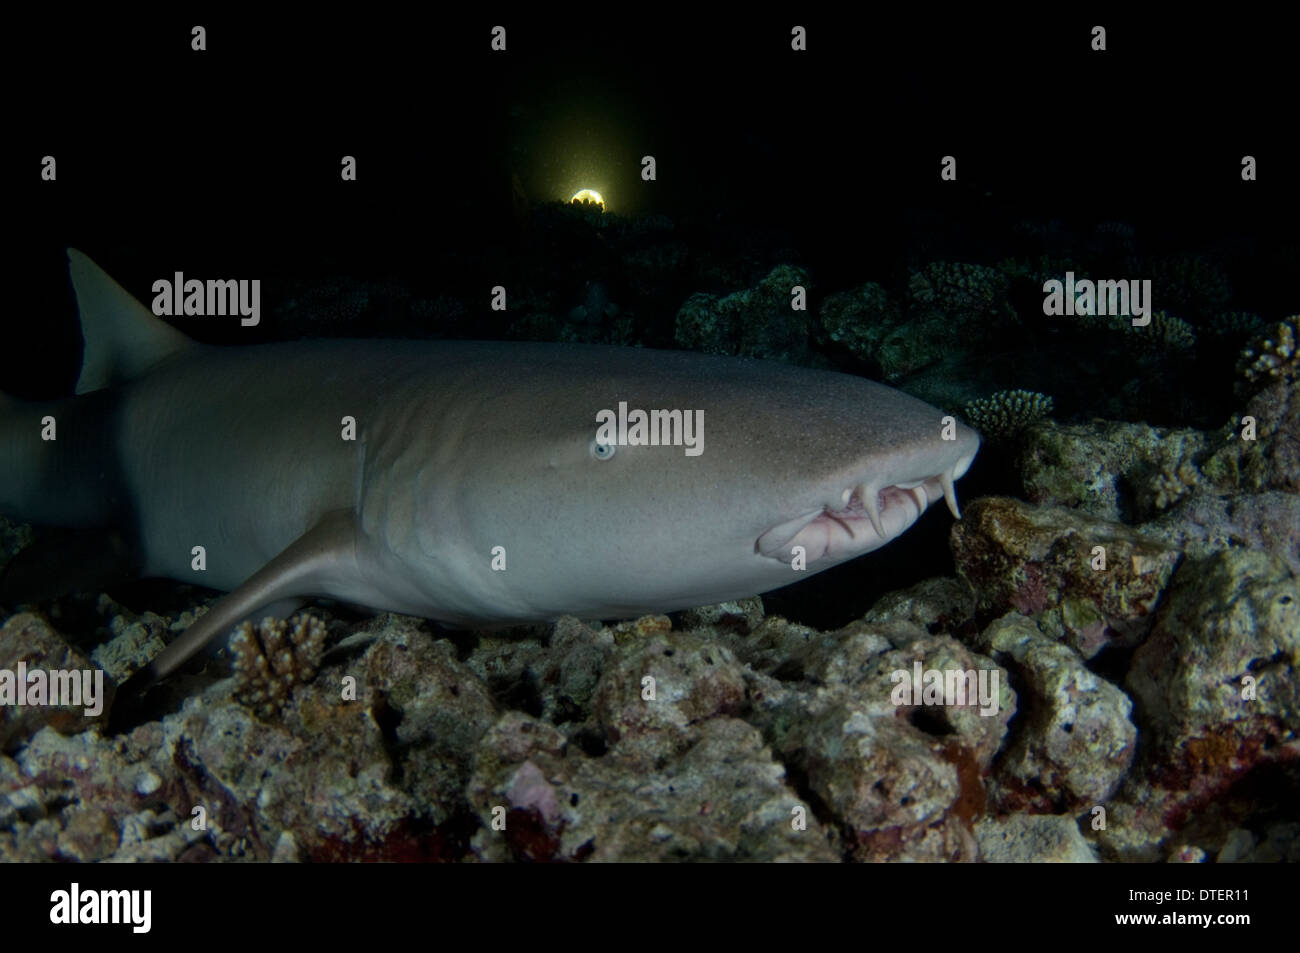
x=588 y=195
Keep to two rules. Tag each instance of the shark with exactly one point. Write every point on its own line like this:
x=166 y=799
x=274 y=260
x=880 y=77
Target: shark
x=467 y=482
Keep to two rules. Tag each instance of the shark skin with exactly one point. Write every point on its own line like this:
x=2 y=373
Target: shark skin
x=461 y=448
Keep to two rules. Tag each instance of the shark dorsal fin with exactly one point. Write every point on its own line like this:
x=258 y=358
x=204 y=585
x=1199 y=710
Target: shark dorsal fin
x=123 y=338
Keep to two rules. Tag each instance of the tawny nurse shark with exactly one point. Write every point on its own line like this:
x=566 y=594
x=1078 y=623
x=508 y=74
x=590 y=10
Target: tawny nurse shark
x=478 y=490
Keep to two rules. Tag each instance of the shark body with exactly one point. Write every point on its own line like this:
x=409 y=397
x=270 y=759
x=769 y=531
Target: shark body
x=473 y=487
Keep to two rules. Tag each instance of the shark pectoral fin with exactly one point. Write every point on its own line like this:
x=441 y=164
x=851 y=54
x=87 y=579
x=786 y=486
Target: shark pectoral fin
x=303 y=569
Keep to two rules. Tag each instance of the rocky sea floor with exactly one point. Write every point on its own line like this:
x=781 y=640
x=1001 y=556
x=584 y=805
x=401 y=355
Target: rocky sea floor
x=1147 y=704
x=1134 y=587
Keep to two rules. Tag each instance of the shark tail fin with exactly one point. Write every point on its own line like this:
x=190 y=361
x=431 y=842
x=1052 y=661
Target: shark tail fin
x=123 y=338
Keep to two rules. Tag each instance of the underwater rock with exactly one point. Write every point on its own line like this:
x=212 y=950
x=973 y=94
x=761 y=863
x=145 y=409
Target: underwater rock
x=1218 y=673
x=764 y=739
x=1279 y=844
x=1272 y=459
x=723 y=798
x=1112 y=470
x=324 y=774
x=1039 y=561
x=941 y=604
x=692 y=680
x=551 y=674
x=432 y=710
x=979 y=725
x=1033 y=839
x=757 y=322
x=776 y=647
x=30 y=648
x=887 y=783
x=86 y=798
x=1074 y=742
x=739 y=615
x=1208 y=523
x=135 y=640
x=1211 y=760
x=901 y=781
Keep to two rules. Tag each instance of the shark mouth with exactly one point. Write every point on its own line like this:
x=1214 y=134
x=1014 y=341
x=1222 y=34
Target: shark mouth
x=868 y=517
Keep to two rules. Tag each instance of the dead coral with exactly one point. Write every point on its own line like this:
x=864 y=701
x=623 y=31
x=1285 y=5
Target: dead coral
x=274 y=657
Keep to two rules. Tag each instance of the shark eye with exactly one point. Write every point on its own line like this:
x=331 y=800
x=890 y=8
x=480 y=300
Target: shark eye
x=602 y=451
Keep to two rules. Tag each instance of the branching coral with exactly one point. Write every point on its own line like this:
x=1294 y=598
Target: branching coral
x=1272 y=356
x=273 y=657
x=1235 y=325
x=1189 y=284
x=1165 y=333
x=1007 y=413
x=960 y=288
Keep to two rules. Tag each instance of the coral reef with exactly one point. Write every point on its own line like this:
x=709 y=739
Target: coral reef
x=1091 y=583
x=1033 y=839
x=945 y=303
x=1007 y=413
x=1114 y=471
x=1078 y=741
x=134 y=640
x=1218 y=663
x=854 y=320
x=29 y=645
x=962 y=290
x=736 y=737
x=1272 y=357
x=756 y=322
x=1165 y=334
x=1235 y=325
x=274 y=656
x=1187 y=284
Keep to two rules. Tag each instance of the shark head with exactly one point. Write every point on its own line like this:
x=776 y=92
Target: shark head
x=779 y=472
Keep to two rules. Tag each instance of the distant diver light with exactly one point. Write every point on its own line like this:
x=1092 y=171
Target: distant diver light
x=588 y=195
